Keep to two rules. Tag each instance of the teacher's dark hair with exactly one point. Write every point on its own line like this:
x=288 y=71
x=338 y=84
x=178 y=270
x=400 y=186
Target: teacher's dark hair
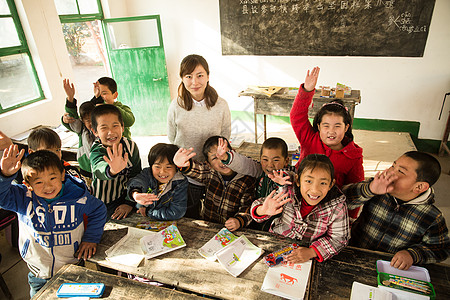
x=187 y=66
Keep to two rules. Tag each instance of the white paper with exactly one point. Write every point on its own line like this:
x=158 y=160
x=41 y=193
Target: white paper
x=238 y=256
x=127 y=251
x=220 y=240
x=287 y=280
x=366 y=292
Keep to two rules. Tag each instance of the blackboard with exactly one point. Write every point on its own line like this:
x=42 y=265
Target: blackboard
x=325 y=27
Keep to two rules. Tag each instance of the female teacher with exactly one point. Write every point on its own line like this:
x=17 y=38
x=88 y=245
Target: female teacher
x=197 y=114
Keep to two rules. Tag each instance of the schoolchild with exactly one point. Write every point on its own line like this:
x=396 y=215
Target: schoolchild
x=51 y=206
x=228 y=194
x=314 y=210
x=82 y=126
x=114 y=160
x=44 y=138
x=399 y=215
x=160 y=190
x=273 y=157
x=330 y=134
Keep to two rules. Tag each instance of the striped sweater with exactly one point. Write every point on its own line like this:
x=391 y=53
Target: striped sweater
x=105 y=186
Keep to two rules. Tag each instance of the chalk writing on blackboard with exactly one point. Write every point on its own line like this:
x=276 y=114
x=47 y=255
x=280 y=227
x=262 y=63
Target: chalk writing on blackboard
x=325 y=27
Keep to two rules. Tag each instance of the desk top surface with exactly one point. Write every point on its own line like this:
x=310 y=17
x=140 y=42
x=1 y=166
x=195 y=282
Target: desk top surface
x=187 y=269
x=290 y=93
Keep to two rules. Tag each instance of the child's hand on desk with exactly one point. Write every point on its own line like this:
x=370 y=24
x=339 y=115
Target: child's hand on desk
x=311 y=79
x=86 y=250
x=232 y=224
x=67 y=118
x=382 y=183
x=222 y=149
x=402 y=260
x=182 y=157
x=273 y=204
x=115 y=160
x=301 y=255
x=143 y=211
x=144 y=198
x=10 y=162
x=121 y=212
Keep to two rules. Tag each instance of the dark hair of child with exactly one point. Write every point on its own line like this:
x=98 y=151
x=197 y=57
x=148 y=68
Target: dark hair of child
x=43 y=137
x=109 y=82
x=39 y=161
x=104 y=109
x=187 y=66
x=160 y=151
x=429 y=168
x=275 y=143
x=86 y=109
x=334 y=107
x=211 y=142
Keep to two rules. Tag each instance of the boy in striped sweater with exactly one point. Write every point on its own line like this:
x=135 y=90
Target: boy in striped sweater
x=114 y=160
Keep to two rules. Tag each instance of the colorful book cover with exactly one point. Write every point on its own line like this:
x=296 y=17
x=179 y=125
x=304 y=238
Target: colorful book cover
x=161 y=242
x=238 y=256
x=222 y=239
x=287 y=280
x=154 y=225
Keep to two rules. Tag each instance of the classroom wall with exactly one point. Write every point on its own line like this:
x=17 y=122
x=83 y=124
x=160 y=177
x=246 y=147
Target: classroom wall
x=46 y=42
x=406 y=89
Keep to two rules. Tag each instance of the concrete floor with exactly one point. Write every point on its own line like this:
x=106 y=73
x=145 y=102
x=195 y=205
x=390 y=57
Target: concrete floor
x=380 y=150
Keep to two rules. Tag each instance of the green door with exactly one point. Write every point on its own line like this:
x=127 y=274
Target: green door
x=138 y=64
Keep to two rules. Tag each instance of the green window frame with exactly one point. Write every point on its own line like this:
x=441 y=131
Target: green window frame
x=21 y=49
x=79 y=16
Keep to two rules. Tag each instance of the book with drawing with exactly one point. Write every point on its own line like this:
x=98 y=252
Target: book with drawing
x=238 y=256
x=287 y=280
x=220 y=240
x=155 y=225
x=157 y=243
x=127 y=251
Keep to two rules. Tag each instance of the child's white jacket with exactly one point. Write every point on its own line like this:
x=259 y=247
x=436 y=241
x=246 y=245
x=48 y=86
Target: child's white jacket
x=50 y=234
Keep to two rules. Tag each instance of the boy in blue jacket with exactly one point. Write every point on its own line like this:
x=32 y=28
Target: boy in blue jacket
x=51 y=206
x=160 y=190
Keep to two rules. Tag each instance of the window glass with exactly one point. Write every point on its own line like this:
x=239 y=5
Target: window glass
x=134 y=34
x=17 y=81
x=88 y=6
x=8 y=33
x=66 y=7
x=4 y=9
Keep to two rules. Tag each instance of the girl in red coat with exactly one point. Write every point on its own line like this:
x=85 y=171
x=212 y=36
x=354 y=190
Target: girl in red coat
x=330 y=134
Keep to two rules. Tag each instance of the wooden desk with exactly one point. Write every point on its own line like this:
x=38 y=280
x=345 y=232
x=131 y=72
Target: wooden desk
x=185 y=268
x=115 y=287
x=280 y=104
x=333 y=279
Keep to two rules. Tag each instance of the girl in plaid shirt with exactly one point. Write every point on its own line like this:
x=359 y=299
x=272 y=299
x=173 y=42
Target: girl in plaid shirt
x=313 y=211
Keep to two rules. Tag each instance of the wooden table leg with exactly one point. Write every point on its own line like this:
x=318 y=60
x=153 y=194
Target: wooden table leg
x=265 y=128
x=256 y=127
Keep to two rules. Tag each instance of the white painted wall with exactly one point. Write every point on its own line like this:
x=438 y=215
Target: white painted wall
x=46 y=42
x=409 y=89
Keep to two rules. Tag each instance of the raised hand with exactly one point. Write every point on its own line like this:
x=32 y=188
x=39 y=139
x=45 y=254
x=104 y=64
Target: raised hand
x=145 y=198
x=5 y=141
x=96 y=89
x=311 y=79
x=115 y=160
x=222 y=149
x=10 y=162
x=273 y=204
x=182 y=157
x=382 y=183
x=281 y=177
x=70 y=89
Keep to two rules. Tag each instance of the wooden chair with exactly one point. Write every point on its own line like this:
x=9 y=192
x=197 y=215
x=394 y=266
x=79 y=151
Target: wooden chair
x=3 y=285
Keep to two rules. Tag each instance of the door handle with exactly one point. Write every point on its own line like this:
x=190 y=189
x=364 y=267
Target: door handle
x=157 y=79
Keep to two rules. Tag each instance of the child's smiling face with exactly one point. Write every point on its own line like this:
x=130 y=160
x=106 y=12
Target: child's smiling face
x=314 y=185
x=332 y=130
x=109 y=129
x=272 y=160
x=216 y=163
x=163 y=171
x=46 y=184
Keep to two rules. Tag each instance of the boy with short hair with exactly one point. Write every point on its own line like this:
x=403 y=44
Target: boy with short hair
x=229 y=195
x=44 y=138
x=81 y=125
x=51 y=206
x=114 y=160
x=399 y=216
x=273 y=157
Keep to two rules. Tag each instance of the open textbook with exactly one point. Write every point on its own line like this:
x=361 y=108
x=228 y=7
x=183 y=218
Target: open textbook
x=138 y=244
x=287 y=280
x=220 y=240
